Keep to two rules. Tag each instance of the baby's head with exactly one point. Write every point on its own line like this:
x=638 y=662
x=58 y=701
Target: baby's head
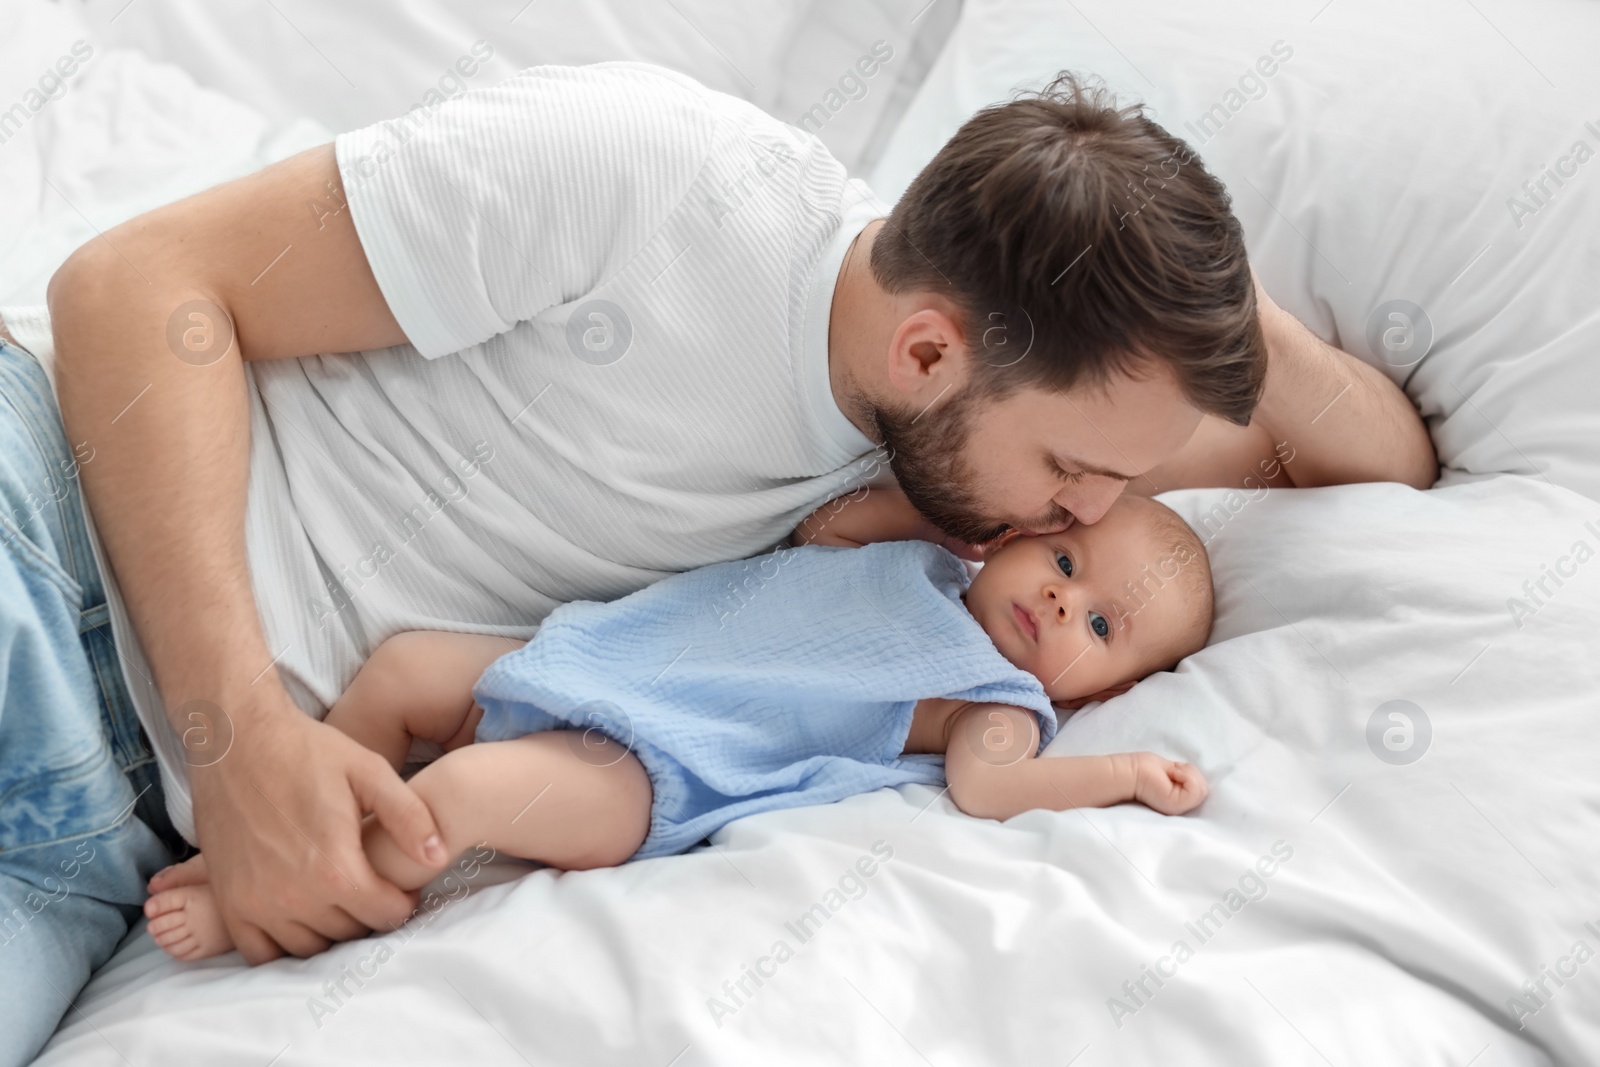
x=1109 y=603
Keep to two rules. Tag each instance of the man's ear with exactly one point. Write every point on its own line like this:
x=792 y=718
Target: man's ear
x=1104 y=694
x=1004 y=539
x=928 y=344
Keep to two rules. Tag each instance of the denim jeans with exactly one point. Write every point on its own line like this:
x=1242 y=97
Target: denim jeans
x=83 y=822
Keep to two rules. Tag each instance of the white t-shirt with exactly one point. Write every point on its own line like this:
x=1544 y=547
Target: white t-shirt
x=617 y=286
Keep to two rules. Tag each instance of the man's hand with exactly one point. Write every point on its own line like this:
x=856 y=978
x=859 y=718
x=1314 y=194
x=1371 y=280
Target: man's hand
x=879 y=513
x=960 y=548
x=279 y=820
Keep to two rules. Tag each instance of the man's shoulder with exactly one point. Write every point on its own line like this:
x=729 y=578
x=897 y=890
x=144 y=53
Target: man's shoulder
x=605 y=97
x=750 y=121
x=643 y=86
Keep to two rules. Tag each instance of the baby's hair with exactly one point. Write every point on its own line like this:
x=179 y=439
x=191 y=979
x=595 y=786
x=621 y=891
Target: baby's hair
x=1181 y=544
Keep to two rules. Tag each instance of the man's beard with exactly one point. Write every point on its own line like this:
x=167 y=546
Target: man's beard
x=928 y=456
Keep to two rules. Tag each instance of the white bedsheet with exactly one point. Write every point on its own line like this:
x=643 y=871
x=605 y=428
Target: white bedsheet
x=1406 y=905
x=1416 y=902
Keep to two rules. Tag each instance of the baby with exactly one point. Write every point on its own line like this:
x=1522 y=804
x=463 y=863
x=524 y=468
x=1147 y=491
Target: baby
x=636 y=728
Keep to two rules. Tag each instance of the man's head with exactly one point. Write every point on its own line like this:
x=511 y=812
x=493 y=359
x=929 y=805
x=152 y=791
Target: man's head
x=1071 y=290
x=1093 y=609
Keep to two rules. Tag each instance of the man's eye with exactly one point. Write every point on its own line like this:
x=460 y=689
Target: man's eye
x=1065 y=475
x=1098 y=623
x=1065 y=563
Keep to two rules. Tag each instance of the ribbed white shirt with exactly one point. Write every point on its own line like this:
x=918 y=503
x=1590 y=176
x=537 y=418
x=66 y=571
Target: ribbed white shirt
x=617 y=285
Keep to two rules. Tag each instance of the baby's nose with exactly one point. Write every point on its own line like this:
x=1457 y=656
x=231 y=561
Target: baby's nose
x=1058 y=601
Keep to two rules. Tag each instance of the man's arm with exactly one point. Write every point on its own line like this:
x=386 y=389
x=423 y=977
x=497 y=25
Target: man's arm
x=872 y=514
x=860 y=518
x=1325 y=418
x=150 y=375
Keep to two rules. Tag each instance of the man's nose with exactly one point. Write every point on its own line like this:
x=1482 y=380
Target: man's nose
x=1091 y=500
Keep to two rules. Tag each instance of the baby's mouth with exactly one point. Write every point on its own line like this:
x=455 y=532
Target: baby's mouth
x=1026 y=621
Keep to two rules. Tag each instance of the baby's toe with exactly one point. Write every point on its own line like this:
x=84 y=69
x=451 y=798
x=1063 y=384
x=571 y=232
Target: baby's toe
x=185 y=921
x=191 y=871
x=163 y=903
x=168 y=930
x=185 y=948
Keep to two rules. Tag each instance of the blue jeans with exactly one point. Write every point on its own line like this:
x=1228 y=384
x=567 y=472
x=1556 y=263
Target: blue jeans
x=83 y=821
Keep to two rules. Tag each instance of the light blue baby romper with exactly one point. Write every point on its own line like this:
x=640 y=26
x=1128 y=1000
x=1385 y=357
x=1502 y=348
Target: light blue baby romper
x=771 y=682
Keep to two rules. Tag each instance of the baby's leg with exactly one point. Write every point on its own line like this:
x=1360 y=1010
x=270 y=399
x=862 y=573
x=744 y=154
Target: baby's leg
x=569 y=798
x=417 y=684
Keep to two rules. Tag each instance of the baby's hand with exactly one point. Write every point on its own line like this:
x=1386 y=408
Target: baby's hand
x=1168 y=787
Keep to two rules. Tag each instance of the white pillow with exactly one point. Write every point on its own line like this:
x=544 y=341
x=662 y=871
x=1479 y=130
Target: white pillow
x=350 y=64
x=118 y=136
x=854 y=68
x=1380 y=161
x=354 y=63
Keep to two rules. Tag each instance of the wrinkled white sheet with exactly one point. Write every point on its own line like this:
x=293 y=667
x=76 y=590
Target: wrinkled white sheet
x=1405 y=905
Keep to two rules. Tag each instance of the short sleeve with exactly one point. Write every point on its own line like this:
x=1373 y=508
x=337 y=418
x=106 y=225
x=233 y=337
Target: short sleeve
x=478 y=211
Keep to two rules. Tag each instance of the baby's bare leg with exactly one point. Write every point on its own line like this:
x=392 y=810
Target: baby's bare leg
x=417 y=684
x=414 y=684
x=568 y=798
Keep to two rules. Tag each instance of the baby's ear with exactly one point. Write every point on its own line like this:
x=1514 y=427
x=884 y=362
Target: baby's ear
x=1104 y=694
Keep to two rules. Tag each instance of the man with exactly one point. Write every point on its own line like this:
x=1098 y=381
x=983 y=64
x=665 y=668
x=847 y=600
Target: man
x=563 y=337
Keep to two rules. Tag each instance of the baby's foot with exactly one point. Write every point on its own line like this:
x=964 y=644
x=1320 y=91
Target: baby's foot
x=191 y=871
x=185 y=921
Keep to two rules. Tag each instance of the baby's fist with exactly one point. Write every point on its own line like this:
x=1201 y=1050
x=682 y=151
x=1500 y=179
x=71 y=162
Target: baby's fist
x=1169 y=787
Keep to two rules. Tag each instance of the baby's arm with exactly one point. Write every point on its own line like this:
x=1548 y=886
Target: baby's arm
x=993 y=771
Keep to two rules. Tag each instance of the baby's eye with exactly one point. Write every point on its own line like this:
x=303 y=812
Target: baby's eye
x=1098 y=623
x=1065 y=563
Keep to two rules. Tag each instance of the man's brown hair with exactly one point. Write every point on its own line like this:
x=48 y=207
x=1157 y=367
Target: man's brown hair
x=1087 y=237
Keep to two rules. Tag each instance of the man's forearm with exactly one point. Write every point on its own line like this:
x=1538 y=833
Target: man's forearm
x=167 y=488
x=1343 y=419
x=863 y=517
x=149 y=322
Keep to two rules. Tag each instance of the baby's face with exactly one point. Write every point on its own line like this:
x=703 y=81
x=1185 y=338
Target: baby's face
x=1092 y=610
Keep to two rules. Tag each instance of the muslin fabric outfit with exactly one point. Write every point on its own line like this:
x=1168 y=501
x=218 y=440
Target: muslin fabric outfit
x=772 y=682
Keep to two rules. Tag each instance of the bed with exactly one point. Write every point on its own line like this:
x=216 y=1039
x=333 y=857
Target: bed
x=1396 y=709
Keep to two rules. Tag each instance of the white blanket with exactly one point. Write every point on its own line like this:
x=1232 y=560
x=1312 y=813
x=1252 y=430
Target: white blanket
x=1333 y=905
